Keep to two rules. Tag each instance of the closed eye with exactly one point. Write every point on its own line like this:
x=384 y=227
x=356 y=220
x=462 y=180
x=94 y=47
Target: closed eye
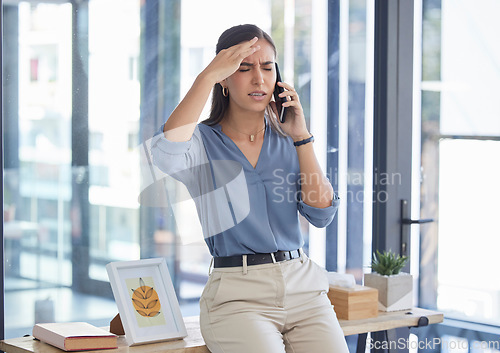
x=245 y=70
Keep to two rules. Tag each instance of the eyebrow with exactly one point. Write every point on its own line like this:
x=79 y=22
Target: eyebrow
x=263 y=64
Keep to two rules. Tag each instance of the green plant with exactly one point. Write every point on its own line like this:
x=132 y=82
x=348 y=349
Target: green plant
x=388 y=263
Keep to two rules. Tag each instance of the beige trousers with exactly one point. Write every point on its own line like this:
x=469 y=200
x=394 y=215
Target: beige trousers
x=271 y=308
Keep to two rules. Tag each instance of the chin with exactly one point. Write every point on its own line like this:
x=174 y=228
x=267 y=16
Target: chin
x=256 y=108
x=261 y=111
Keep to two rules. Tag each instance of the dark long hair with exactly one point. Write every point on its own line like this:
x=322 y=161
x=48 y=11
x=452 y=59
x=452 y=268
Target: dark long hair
x=228 y=38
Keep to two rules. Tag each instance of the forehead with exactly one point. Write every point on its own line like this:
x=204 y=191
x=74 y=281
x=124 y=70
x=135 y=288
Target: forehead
x=265 y=53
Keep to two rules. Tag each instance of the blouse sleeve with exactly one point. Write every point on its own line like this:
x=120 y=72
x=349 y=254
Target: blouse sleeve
x=175 y=157
x=319 y=217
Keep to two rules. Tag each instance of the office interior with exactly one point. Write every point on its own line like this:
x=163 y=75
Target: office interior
x=401 y=96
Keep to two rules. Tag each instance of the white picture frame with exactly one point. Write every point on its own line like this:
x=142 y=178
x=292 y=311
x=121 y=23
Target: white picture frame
x=146 y=300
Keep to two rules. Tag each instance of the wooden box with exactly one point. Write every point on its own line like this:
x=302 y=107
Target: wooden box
x=355 y=303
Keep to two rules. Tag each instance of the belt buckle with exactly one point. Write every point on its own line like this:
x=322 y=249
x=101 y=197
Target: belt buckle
x=281 y=255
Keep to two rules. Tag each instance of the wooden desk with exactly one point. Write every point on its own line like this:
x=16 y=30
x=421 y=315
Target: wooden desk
x=194 y=343
x=387 y=321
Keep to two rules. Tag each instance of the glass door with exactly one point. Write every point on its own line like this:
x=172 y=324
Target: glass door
x=460 y=149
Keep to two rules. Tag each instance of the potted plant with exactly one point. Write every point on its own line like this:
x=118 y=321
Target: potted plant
x=395 y=288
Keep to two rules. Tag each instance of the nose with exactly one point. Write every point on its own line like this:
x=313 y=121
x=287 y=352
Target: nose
x=258 y=78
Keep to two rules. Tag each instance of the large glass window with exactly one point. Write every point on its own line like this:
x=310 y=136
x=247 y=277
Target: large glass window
x=350 y=128
x=113 y=132
x=358 y=129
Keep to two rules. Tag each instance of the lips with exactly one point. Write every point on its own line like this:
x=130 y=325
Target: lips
x=258 y=95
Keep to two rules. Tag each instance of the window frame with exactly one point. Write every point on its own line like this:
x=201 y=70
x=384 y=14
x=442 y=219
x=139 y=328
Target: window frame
x=2 y=280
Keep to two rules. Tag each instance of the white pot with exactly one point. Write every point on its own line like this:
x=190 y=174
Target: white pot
x=395 y=292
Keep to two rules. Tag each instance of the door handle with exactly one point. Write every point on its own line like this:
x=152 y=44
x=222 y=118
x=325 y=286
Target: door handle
x=405 y=221
x=417 y=221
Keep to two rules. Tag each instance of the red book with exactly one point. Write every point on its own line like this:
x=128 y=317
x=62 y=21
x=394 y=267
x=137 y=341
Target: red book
x=75 y=336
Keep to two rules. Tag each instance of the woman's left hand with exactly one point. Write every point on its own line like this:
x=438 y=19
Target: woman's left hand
x=295 y=122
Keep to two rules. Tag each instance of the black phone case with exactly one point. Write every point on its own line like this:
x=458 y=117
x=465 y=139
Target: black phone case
x=277 y=98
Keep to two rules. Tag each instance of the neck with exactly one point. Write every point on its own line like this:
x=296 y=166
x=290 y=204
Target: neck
x=248 y=122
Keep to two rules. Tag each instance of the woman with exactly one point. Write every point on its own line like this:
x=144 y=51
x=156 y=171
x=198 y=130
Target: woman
x=249 y=174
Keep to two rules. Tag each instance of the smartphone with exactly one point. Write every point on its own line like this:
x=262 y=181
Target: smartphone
x=279 y=100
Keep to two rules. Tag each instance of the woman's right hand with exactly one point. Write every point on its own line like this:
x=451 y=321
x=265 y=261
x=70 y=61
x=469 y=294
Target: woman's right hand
x=227 y=61
x=182 y=122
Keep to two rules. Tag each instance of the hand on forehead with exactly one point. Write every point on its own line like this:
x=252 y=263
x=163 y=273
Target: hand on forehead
x=265 y=55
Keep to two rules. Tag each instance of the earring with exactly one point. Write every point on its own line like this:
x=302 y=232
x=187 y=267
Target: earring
x=225 y=91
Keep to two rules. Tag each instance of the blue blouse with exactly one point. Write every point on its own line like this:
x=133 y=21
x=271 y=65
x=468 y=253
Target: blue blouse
x=242 y=209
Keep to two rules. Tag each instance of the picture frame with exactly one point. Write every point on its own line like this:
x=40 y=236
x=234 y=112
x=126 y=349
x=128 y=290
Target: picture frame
x=146 y=300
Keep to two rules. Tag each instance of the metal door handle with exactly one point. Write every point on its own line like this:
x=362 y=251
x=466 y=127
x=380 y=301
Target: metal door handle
x=406 y=220
x=416 y=221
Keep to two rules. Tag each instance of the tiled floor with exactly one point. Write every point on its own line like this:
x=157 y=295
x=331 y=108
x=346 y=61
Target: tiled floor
x=25 y=305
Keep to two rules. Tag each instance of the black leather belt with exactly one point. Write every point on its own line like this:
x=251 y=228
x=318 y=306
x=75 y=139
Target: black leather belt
x=255 y=259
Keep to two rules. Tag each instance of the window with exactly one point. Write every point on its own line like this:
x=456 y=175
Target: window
x=460 y=142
